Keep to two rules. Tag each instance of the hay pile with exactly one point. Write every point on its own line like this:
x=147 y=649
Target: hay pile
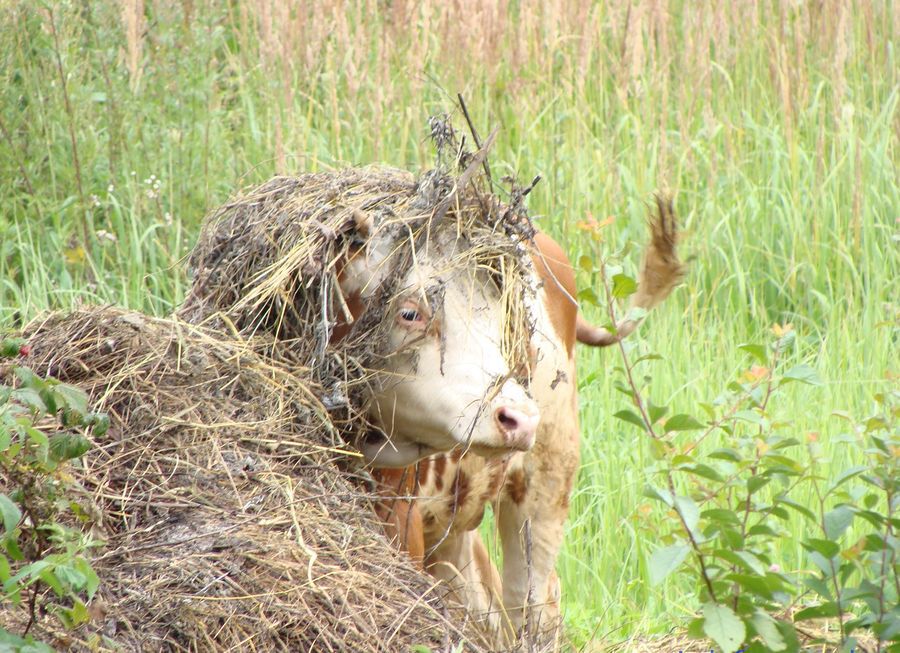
x=227 y=521
x=233 y=513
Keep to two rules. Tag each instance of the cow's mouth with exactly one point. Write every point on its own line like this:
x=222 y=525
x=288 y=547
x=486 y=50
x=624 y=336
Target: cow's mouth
x=380 y=450
x=489 y=451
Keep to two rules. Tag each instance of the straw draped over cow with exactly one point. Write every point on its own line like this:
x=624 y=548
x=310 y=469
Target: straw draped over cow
x=374 y=279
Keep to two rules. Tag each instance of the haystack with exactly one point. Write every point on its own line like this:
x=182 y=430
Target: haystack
x=233 y=513
x=227 y=519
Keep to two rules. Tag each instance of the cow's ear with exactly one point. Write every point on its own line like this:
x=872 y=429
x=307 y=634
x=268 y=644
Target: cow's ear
x=363 y=224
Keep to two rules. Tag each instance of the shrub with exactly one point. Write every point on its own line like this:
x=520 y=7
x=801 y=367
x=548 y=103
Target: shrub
x=44 y=425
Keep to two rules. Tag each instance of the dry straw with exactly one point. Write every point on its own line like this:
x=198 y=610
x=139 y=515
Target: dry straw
x=227 y=520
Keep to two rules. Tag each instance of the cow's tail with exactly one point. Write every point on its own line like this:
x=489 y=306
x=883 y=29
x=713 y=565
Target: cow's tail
x=661 y=270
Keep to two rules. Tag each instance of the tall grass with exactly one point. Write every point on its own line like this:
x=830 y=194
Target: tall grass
x=775 y=122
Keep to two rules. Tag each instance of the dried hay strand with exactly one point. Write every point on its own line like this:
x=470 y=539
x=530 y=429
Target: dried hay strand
x=227 y=521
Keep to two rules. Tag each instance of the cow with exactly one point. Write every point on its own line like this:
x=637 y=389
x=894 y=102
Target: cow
x=458 y=429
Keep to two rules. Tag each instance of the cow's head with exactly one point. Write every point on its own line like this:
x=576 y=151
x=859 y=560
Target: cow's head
x=444 y=376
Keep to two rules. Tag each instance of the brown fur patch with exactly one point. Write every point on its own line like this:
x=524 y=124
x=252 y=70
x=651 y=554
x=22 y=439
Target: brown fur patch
x=555 y=271
x=460 y=489
x=440 y=464
x=498 y=472
x=516 y=486
x=422 y=468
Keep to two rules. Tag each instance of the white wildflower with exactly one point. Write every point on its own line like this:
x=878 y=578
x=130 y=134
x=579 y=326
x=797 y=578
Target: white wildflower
x=104 y=235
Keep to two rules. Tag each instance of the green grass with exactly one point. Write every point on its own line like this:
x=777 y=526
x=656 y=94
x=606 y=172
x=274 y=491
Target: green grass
x=776 y=129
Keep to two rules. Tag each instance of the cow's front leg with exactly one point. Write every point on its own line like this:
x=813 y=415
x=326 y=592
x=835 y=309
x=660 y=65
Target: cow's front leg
x=531 y=514
x=461 y=560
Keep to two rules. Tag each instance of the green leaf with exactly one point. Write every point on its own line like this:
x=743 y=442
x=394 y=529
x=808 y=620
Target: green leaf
x=10 y=513
x=655 y=412
x=690 y=513
x=29 y=379
x=803 y=374
x=40 y=439
x=9 y=347
x=824 y=564
x=588 y=296
x=721 y=515
x=659 y=494
x=682 y=422
x=666 y=560
x=763 y=529
x=827 y=548
x=13 y=550
x=92 y=581
x=623 y=285
x=845 y=476
x=755 y=483
x=101 y=425
x=751 y=562
x=74 y=398
x=726 y=454
x=52 y=581
x=803 y=510
x=79 y=613
x=72 y=577
x=756 y=585
x=723 y=626
x=703 y=470
x=750 y=416
x=630 y=417
x=837 y=521
x=819 y=586
x=30 y=398
x=824 y=610
x=66 y=446
x=767 y=629
x=757 y=351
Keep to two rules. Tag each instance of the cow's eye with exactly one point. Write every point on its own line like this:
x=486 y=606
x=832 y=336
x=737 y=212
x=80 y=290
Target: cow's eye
x=407 y=314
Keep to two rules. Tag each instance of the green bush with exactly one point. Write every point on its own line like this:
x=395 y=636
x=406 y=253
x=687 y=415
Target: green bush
x=728 y=507
x=44 y=424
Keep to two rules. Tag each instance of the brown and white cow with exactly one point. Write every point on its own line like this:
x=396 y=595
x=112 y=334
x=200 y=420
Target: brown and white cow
x=459 y=430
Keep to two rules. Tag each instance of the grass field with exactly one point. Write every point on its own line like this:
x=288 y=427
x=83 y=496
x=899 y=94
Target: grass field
x=775 y=124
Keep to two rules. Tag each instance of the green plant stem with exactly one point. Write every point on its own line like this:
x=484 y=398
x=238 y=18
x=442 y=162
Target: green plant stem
x=85 y=231
x=884 y=562
x=834 y=571
x=648 y=428
x=8 y=137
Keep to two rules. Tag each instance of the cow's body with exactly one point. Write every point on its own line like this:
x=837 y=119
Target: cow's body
x=454 y=488
x=529 y=490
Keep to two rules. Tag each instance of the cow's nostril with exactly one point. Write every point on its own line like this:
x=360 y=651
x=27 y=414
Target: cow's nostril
x=517 y=427
x=506 y=420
